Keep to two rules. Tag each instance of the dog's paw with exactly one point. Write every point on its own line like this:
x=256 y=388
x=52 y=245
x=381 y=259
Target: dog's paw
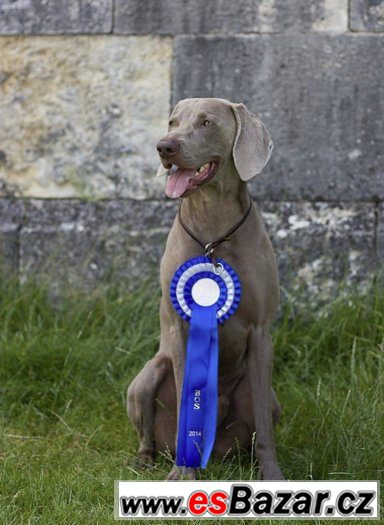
x=144 y=460
x=272 y=473
x=182 y=473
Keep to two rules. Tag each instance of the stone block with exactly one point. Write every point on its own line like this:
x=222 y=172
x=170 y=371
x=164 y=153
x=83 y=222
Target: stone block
x=55 y=16
x=80 y=116
x=367 y=15
x=85 y=244
x=321 y=96
x=321 y=245
x=172 y=17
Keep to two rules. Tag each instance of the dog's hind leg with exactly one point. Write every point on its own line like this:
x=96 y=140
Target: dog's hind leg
x=141 y=404
x=276 y=408
x=263 y=400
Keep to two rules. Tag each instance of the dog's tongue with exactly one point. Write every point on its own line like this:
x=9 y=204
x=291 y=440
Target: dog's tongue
x=177 y=182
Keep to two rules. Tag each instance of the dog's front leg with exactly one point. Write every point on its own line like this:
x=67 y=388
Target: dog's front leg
x=177 y=344
x=259 y=369
x=141 y=405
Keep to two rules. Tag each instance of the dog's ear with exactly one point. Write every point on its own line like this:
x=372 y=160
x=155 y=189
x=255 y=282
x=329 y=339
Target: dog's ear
x=161 y=171
x=253 y=144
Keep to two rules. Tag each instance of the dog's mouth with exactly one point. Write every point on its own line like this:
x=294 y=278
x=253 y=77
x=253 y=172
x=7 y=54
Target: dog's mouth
x=183 y=181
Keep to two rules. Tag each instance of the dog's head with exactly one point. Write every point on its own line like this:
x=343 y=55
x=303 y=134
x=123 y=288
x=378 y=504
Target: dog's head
x=204 y=135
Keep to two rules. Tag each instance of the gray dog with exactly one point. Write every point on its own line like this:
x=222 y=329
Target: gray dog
x=212 y=148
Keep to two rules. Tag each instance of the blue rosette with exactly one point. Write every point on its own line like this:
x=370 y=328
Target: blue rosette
x=199 y=268
x=205 y=294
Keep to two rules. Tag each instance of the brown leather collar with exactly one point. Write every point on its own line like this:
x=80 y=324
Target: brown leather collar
x=210 y=247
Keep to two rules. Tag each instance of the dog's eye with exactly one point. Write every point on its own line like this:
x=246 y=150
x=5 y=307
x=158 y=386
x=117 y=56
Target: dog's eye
x=171 y=123
x=207 y=123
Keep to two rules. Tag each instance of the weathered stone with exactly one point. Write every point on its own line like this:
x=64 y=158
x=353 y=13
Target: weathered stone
x=222 y=16
x=321 y=96
x=367 y=15
x=93 y=243
x=321 y=245
x=11 y=220
x=9 y=249
x=127 y=214
x=317 y=245
x=55 y=16
x=12 y=211
x=80 y=117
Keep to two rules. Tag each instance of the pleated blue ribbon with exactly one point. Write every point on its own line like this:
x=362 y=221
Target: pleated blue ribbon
x=198 y=410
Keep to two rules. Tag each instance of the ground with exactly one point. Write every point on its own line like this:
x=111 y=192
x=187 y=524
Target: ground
x=64 y=370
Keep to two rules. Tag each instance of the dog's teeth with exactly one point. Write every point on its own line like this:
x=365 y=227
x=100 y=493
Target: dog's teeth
x=203 y=167
x=173 y=169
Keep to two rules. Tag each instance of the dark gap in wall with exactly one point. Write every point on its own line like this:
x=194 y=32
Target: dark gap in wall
x=376 y=232
x=349 y=16
x=113 y=8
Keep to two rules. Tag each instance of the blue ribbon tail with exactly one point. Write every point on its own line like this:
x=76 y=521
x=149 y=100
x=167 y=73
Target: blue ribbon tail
x=198 y=408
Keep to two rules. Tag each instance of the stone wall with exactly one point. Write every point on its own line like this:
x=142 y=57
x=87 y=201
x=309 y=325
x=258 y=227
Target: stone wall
x=86 y=87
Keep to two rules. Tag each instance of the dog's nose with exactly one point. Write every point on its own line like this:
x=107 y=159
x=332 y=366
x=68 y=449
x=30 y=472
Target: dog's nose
x=168 y=147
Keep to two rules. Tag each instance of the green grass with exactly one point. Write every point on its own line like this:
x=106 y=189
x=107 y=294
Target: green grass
x=64 y=372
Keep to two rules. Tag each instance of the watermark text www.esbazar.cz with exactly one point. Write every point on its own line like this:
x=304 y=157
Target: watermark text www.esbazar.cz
x=242 y=500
